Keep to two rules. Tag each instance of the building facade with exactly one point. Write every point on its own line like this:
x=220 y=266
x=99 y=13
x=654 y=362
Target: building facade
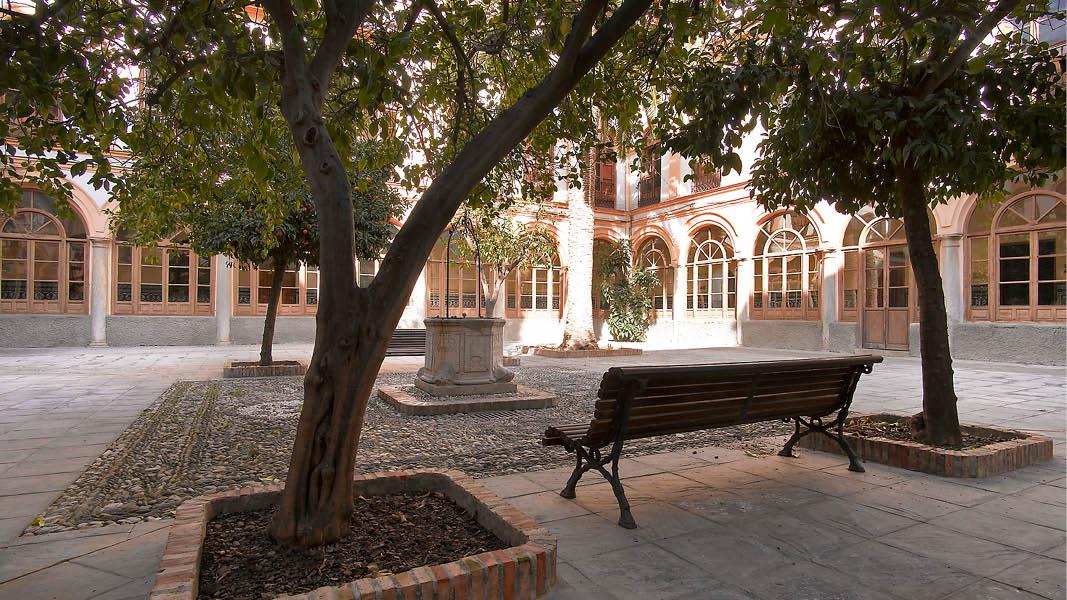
x=729 y=274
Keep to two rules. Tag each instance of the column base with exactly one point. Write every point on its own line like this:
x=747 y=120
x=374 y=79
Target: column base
x=98 y=344
x=224 y=343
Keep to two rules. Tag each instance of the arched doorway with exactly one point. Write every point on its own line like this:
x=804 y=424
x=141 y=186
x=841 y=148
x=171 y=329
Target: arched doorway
x=877 y=262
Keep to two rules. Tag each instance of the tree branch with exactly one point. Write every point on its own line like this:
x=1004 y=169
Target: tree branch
x=343 y=18
x=411 y=246
x=974 y=36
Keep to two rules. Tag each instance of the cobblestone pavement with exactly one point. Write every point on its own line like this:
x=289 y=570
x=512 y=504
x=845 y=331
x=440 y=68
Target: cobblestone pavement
x=888 y=534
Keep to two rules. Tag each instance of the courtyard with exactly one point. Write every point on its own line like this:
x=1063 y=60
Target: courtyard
x=100 y=445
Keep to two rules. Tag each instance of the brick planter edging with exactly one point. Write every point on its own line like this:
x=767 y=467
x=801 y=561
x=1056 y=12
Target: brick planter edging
x=985 y=461
x=598 y=353
x=527 y=569
x=281 y=368
x=408 y=404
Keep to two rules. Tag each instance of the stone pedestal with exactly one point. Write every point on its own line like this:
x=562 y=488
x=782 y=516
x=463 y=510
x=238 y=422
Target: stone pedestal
x=465 y=357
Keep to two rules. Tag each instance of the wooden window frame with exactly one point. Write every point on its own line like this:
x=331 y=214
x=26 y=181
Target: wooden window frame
x=461 y=272
x=810 y=260
x=137 y=306
x=728 y=278
x=994 y=311
x=662 y=269
x=548 y=276
x=257 y=305
x=63 y=303
x=650 y=177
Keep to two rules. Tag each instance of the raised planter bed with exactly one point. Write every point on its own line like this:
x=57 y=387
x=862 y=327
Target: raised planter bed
x=598 y=353
x=526 y=569
x=424 y=405
x=984 y=461
x=278 y=368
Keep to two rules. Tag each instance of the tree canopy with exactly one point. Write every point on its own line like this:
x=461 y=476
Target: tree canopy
x=845 y=91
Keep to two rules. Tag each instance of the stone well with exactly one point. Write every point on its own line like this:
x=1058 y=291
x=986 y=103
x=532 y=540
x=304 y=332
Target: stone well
x=464 y=357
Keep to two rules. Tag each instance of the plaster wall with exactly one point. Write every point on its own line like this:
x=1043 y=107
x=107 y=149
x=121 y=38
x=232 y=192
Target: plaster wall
x=794 y=335
x=843 y=337
x=1029 y=343
x=249 y=330
x=136 y=330
x=44 y=331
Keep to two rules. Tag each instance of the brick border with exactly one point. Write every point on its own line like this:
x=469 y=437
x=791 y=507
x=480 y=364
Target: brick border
x=598 y=353
x=407 y=404
x=279 y=368
x=527 y=569
x=986 y=461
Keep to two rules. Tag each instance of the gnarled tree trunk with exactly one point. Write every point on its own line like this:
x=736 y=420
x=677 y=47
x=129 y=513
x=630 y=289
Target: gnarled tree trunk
x=940 y=423
x=266 y=346
x=353 y=324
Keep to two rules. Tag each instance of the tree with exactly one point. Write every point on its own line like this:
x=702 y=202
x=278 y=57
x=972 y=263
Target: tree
x=502 y=246
x=627 y=289
x=227 y=216
x=899 y=105
x=463 y=87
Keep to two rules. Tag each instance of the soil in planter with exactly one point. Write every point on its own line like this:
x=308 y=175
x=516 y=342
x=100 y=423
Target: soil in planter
x=902 y=431
x=390 y=534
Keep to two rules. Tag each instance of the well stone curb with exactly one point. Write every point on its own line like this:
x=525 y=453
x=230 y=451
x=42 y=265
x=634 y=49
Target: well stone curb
x=526 y=569
x=282 y=368
x=599 y=353
x=986 y=461
x=525 y=398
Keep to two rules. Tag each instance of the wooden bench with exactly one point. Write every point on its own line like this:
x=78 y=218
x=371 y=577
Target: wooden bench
x=641 y=402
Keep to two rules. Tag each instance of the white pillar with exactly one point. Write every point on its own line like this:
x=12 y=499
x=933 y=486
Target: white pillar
x=952 y=275
x=665 y=177
x=223 y=300
x=685 y=177
x=832 y=264
x=744 y=294
x=99 y=291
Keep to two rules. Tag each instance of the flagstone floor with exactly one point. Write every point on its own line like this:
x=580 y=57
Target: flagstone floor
x=713 y=523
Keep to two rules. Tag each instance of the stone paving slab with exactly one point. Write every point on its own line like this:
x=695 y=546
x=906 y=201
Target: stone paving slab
x=706 y=516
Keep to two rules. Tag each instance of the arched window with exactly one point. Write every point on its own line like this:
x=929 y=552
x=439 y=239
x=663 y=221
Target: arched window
x=165 y=279
x=460 y=279
x=536 y=289
x=656 y=257
x=1018 y=259
x=885 y=240
x=42 y=259
x=788 y=269
x=711 y=280
x=299 y=294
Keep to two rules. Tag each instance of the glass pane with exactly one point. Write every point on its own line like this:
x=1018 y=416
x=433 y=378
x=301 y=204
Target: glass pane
x=1016 y=269
x=46 y=251
x=13 y=249
x=46 y=290
x=151 y=293
x=244 y=295
x=45 y=271
x=898 y=277
x=981 y=219
x=1052 y=294
x=1052 y=242
x=1017 y=244
x=1015 y=294
x=124 y=293
x=178 y=293
x=290 y=296
x=980 y=295
x=1011 y=218
x=11 y=289
x=898 y=297
x=76 y=252
x=203 y=294
x=76 y=291
x=850 y=298
x=125 y=255
x=13 y=269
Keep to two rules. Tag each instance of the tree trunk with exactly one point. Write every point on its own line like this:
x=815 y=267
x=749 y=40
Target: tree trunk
x=493 y=306
x=940 y=422
x=578 y=331
x=353 y=325
x=266 y=347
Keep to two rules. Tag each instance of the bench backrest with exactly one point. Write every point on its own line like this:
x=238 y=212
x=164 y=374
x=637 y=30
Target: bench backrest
x=675 y=399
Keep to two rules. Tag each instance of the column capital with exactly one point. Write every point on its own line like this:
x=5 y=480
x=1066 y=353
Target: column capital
x=99 y=241
x=950 y=239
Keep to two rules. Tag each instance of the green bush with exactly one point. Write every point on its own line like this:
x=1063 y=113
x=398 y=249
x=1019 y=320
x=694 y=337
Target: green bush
x=627 y=291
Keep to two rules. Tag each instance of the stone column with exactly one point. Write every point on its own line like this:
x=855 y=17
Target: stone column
x=99 y=291
x=223 y=300
x=685 y=186
x=665 y=177
x=744 y=294
x=832 y=264
x=952 y=275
